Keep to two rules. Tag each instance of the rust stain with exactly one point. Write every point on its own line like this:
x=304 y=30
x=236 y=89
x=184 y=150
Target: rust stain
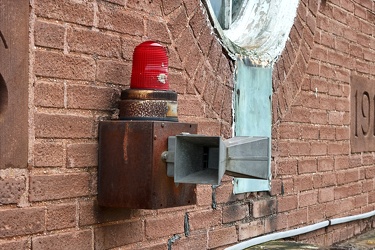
x=125 y=143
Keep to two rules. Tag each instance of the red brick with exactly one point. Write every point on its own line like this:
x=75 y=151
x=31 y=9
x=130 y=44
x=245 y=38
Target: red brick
x=114 y=17
x=91 y=213
x=117 y=72
x=342 y=45
x=11 y=189
x=82 y=155
x=347 y=190
x=71 y=240
x=61 y=216
x=326 y=194
x=197 y=22
x=63 y=126
x=14 y=245
x=157 y=31
x=170 y=6
x=311 y=22
x=153 y=8
x=66 y=10
x=325 y=164
x=308 y=198
x=192 y=242
x=177 y=82
x=117 y=235
x=347 y=176
x=327 y=39
x=329 y=179
x=274 y=223
x=359 y=11
x=49 y=94
x=224 y=193
x=91 y=97
x=184 y=43
x=226 y=130
x=361 y=200
x=303 y=182
x=327 y=133
x=53 y=187
x=319 y=53
x=93 y=42
x=48 y=154
x=371 y=197
x=307 y=166
x=298 y=114
x=289 y=131
x=299 y=148
x=338 y=148
x=342 y=162
x=162 y=226
x=315 y=213
x=356 y=50
x=219 y=98
x=21 y=221
x=369 y=172
x=309 y=132
x=222 y=237
x=336 y=118
x=226 y=112
x=174 y=59
x=297 y=217
x=177 y=22
x=127 y=48
x=342 y=104
x=191 y=62
x=119 y=2
x=287 y=203
x=318 y=148
x=362 y=66
x=235 y=212
x=208 y=127
x=368 y=185
x=320 y=85
x=287 y=167
x=265 y=207
x=191 y=6
x=325 y=102
x=49 y=35
x=204 y=196
x=250 y=230
x=190 y=106
x=215 y=54
x=204 y=219
x=53 y=64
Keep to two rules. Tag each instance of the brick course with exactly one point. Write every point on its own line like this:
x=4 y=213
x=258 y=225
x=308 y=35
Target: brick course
x=72 y=240
x=51 y=187
x=80 y=60
x=21 y=221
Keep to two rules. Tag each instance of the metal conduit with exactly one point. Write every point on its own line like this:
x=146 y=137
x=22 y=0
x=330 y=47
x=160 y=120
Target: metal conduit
x=299 y=231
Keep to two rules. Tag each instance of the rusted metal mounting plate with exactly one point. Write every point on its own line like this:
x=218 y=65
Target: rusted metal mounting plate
x=362 y=114
x=132 y=173
x=14 y=45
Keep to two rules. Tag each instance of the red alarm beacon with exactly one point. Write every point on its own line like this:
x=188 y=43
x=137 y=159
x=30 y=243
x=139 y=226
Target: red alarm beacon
x=149 y=97
x=150 y=67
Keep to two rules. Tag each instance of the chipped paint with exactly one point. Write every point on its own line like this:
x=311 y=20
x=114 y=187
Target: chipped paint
x=260 y=29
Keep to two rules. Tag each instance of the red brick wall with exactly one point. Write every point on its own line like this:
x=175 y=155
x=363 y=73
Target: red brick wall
x=315 y=174
x=80 y=60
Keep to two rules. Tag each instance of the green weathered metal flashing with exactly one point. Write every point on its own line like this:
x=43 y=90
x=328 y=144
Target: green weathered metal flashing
x=253 y=92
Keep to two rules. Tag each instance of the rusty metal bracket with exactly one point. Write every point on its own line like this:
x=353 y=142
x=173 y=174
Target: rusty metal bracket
x=168 y=156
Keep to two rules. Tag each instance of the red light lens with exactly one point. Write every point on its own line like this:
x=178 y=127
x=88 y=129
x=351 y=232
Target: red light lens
x=150 y=67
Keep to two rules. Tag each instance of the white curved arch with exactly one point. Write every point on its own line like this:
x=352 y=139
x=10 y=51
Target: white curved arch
x=262 y=27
